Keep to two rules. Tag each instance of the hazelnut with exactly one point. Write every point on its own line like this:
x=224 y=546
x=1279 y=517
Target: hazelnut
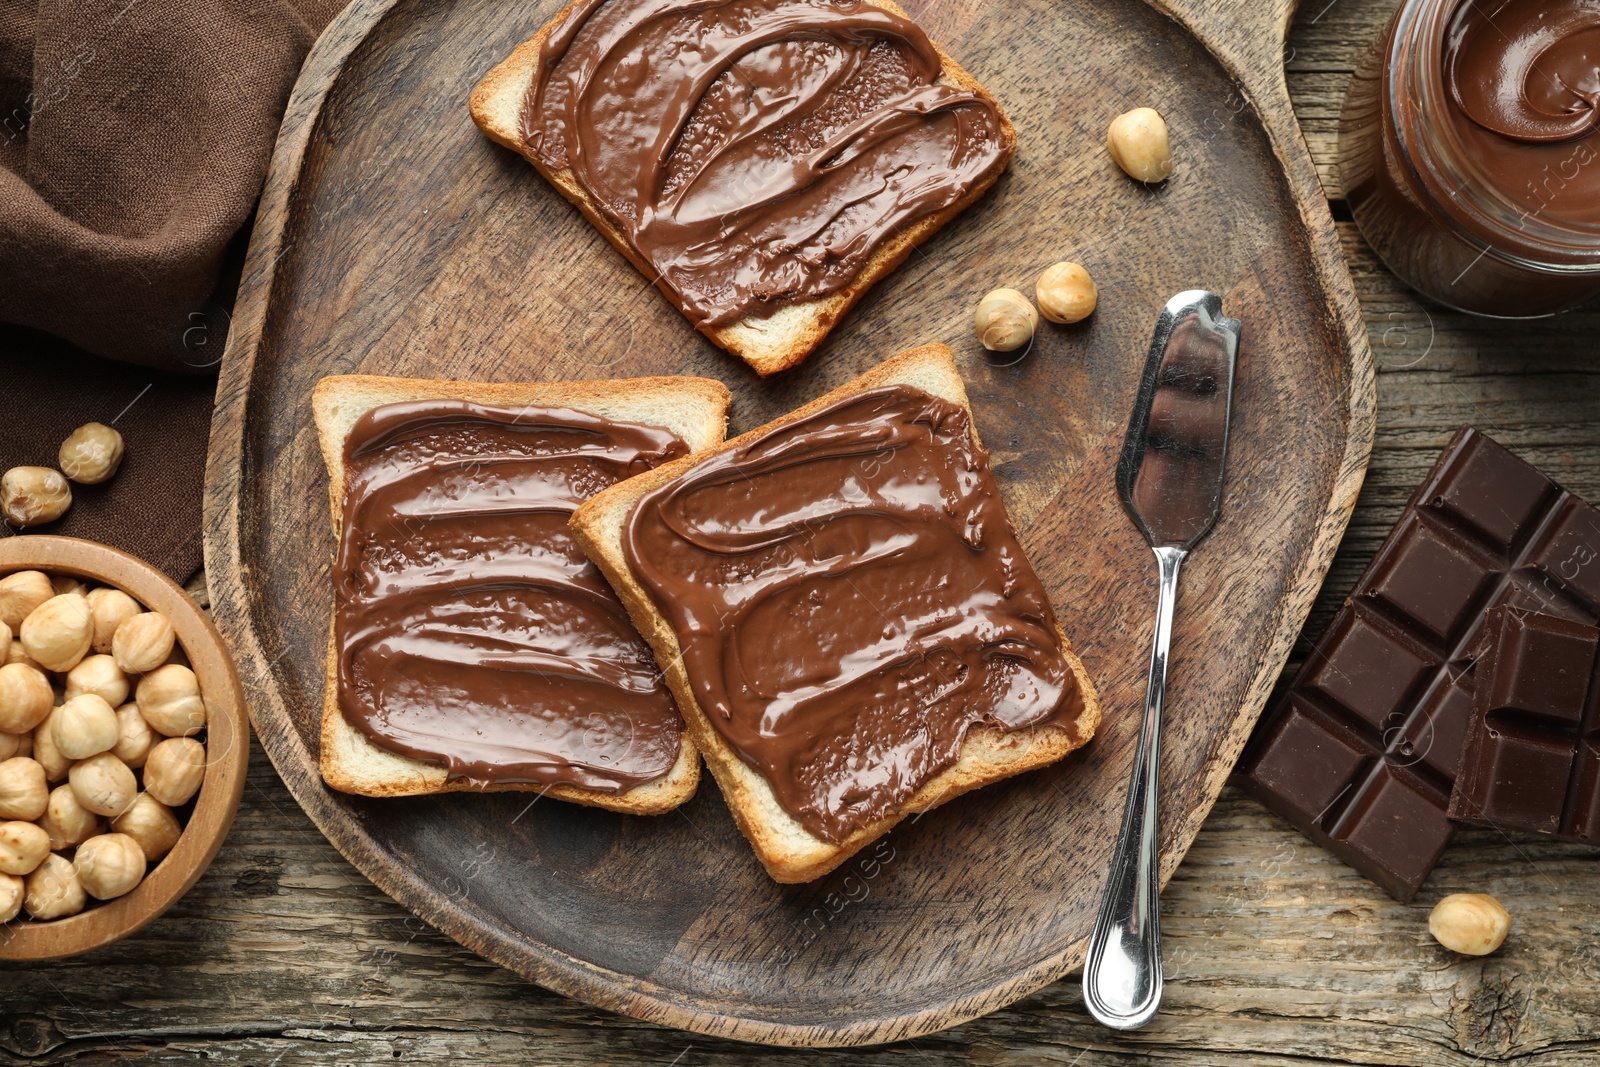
x=109 y=865
x=5 y=642
x=10 y=744
x=11 y=891
x=19 y=655
x=1139 y=143
x=150 y=823
x=1005 y=321
x=66 y=583
x=57 y=633
x=108 y=609
x=25 y=697
x=47 y=754
x=66 y=821
x=143 y=642
x=20 y=593
x=101 y=676
x=103 y=784
x=169 y=699
x=24 y=745
x=53 y=889
x=1066 y=293
x=23 y=846
x=91 y=454
x=33 y=496
x=84 y=726
x=134 y=736
x=23 y=789
x=174 y=770
x=1473 y=924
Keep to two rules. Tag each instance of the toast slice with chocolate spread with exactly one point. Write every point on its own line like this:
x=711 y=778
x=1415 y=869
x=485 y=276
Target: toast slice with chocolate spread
x=771 y=342
x=789 y=851
x=693 y=409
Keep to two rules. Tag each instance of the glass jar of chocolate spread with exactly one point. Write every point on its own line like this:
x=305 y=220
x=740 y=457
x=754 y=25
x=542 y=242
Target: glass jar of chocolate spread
x=1469 y=148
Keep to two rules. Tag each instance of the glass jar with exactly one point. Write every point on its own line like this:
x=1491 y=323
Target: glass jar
x=1481 y=221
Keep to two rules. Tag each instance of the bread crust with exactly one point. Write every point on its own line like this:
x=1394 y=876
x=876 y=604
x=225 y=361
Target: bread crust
x=694 y=408
x=787 y=850
x=780 y=340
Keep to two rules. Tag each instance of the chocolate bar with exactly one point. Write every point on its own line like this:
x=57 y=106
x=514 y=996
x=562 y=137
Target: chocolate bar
x=1361 y=752
x=1532 y=756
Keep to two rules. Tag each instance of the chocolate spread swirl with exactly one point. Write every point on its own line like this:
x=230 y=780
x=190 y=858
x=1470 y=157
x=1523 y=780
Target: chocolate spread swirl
x=850 y=599
x=1523 y=78
x=755 y=153
x=1527 y=69
x=471 y=630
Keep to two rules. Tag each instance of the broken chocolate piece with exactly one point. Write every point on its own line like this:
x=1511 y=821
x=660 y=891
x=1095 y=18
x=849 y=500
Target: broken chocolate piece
x=1361 y=753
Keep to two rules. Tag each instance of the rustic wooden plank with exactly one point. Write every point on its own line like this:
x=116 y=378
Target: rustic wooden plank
x=1277 y=953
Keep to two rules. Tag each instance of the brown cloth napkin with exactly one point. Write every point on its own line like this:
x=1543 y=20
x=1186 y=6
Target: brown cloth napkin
x=152 y=507
x=134 y=138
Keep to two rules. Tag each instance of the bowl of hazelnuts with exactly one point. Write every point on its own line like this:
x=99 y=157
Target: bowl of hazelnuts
x=123 y=745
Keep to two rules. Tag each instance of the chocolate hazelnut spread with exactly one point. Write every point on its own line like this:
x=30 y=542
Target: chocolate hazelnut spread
x=755 y=153
x=470 y=629
x=850 y=599
x=1470 y=152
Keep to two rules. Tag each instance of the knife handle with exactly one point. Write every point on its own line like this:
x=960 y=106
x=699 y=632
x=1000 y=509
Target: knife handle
x=1122 y=972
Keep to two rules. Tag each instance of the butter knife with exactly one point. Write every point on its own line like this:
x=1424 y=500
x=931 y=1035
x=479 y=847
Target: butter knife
x=1170 y=481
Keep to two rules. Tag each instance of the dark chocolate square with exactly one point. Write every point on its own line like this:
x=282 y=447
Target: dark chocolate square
x=1553 y=659
x=1490 y=490
x=1368 y=670
x=1569 y=552
x=1431 y=579
x=1398 y=824
x=1309 y=761
x=1523 y=780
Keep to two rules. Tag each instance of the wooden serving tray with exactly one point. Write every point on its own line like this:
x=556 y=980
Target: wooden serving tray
x=394 y=239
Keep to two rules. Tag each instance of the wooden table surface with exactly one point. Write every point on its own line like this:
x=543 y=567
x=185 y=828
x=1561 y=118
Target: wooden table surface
x=1276 y=952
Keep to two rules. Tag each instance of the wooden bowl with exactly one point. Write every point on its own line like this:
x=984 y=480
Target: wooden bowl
x=227 y=749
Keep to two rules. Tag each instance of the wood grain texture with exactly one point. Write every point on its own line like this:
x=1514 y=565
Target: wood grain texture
x=393 y=239
x=1277 y=953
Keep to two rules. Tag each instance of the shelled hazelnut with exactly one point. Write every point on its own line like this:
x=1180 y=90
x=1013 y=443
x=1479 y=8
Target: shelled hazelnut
x=56 y=634
x=109 y=865
x=102 y=743
x=84 y=726
x=108 y=609
x=169 y=699
x=1066 y=293
x=23 y=789
x=1005 y=320
x=142 y=642
x=1139 y=142
x=33 y=496
x=91 y=454
x=68 y=822
x=20 y=593
x=1473 y=924
x=151 y=823
x=53 y=889
x=101 y=676
x=25 y=698
x=103 y=784
x=23 y=846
